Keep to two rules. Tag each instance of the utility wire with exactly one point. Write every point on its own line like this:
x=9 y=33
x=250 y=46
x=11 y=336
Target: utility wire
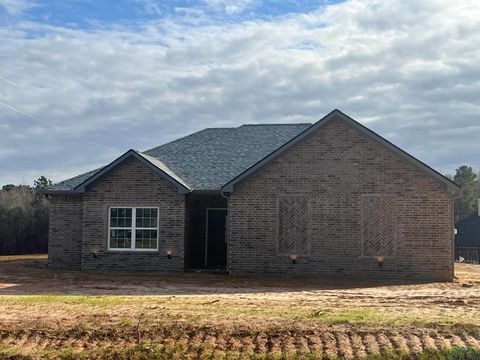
x=17 y=86
x=53 y=125
x=9 y=82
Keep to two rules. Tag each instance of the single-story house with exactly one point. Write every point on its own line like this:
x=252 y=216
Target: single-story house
x=467 y=238
x=331 y=197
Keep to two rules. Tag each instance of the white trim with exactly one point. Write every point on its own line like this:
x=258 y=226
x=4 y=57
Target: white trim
x=133 y=228
x=206 y=232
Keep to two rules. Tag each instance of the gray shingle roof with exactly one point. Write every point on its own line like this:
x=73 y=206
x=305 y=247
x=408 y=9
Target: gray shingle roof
x=208 y=159
x=69 y=184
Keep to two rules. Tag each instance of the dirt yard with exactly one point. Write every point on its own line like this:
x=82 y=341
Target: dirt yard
x=46 y=312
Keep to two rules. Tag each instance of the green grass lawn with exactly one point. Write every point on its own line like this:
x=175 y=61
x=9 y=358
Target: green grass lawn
x=216 y=307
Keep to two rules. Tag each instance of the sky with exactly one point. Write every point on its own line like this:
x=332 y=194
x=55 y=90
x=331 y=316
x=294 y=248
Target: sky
x=83 y=81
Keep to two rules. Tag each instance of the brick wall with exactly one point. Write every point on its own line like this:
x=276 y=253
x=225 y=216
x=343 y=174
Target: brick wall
x=132 y=184
x=65 y=231
x=335 y=169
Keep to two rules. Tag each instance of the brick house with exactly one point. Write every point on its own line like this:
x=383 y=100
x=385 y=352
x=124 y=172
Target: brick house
x=301 y=199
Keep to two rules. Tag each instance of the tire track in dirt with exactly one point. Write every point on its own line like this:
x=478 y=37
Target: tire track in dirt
x=314 y=343
x=344 y=346
x=427 y=341
x=194 y=337
x=384 y=342
x=457 y=340
x=329 y=344
x=234 y=344
x=275 y=344
x=358 y=348
x=348 y=342
x=248 y=345
x=303 y=344
x=260 y=343
x=414 y=343
x=442 y=343
x=370 y=343
x=398 y=340
x=287 y=344
x=220 y=345
x=469 y=340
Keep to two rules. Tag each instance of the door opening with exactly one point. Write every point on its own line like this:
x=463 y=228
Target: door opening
x=215 y=240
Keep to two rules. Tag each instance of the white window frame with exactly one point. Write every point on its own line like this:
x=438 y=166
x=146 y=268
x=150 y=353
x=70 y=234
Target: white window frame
x=133 y=228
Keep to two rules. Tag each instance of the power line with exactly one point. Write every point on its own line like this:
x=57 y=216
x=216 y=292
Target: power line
x=53 y=125
x=9 y=82
x=17 y=86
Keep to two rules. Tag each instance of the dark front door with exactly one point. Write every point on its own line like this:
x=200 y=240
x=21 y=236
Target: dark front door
x=216 y=246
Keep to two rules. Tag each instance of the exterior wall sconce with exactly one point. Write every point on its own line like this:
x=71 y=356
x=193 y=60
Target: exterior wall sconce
x=380 y=260
x=293 y=257
x=169 y=254
x=94 y=251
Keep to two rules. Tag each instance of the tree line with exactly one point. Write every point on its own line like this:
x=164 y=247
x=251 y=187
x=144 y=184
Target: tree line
x=24 y=218
x=466 y=199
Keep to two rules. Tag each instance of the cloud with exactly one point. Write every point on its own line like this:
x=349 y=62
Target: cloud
x=231 y=7
x=407 y=69
x=150 y=7
x=16 y=7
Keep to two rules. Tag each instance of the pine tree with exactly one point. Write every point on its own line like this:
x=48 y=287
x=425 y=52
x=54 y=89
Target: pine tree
x=466 y=197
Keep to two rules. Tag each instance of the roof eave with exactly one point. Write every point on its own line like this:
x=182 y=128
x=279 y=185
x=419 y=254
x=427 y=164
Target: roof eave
x=59 y=192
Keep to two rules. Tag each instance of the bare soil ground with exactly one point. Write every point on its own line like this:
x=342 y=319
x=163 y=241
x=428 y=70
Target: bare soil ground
x=45 y=311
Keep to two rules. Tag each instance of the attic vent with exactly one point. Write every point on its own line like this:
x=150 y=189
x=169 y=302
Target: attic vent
x=378 y=225
x=293 y=225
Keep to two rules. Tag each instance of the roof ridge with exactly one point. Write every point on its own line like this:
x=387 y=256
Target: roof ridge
x=184 y=137
x=275 y=124
x=229 y=129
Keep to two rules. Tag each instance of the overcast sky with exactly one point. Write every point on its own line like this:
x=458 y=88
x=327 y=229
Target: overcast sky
x=82 y=81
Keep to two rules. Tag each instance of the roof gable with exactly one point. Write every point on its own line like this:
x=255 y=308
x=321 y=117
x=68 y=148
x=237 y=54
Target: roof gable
x=207 y=164
x=451 y=186
x=156 y=165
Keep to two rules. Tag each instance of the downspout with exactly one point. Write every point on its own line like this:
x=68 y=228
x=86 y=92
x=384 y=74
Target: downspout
x=227 y=197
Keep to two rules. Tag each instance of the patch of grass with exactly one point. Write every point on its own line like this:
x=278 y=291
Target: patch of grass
x=11 y=258
x=461 y=353
x=198 y=308
x=380 y=316
x=347 y=316
x=454 y=353
x=11 y=353
x=144 y=352
x=95 y=300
